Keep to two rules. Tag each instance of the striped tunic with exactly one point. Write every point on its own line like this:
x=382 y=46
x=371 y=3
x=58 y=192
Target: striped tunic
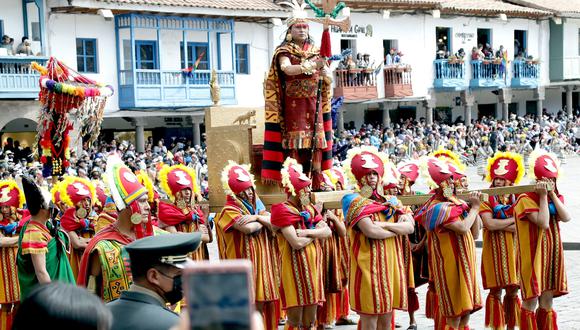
x=498 y=258
x=452 y=259
x=377 y=280
x=540 y=253
x=257 y=247
x=301 y=277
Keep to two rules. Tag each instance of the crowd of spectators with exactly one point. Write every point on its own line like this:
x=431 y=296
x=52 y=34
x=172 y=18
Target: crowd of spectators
x=406 y=139
x=411 y=139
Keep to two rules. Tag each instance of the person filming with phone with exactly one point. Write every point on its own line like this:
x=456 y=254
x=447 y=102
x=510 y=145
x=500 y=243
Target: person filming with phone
x=156 y=265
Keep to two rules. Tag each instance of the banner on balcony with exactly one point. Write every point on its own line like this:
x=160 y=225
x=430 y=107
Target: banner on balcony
x=68 y=101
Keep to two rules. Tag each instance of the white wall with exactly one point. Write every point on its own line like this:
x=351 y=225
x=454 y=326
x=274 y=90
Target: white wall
x=249 y=88
x=63 y=30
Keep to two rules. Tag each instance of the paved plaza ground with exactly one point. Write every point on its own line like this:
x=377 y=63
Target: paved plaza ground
x=568 y=307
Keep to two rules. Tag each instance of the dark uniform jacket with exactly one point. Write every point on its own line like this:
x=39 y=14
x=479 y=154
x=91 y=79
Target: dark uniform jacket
x=137 y=310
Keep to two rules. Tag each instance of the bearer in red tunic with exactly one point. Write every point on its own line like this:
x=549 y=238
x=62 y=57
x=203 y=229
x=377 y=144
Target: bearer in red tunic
x=540 y=252
x=181 y=214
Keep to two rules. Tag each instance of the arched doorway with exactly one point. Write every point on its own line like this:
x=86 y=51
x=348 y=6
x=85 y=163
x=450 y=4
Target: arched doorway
x=21 y=130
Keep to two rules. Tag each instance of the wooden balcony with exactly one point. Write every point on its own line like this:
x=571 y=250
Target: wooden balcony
x=17 y=79
x=525 y=74
x=172 y=88
x=486 y=73
x=355 y=85
x=449 y=75
x=398 y=81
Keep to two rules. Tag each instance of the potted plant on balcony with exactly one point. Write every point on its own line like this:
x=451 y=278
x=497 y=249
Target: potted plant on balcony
x=454 y=60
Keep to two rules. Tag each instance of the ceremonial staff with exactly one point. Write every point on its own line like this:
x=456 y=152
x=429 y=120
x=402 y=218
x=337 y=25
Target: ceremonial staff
x=327 y=17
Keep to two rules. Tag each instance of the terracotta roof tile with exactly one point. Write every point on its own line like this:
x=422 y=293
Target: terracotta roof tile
x=490 y=7
x=260 y=5
x=558 y=6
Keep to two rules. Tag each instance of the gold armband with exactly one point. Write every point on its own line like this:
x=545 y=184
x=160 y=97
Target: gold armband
x=308 y=67
x=92 y=284
x=284 y=66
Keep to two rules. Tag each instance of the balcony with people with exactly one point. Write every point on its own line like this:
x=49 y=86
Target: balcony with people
x=397 y=75
x=449 y=71
x=168 y=62
x=356 y=81
x=488 y=68
x=525 y=72
x=17 y=52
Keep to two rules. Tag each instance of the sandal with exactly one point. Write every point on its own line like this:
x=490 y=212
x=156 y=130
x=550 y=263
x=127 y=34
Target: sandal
x=412 y=327
x=345 y=321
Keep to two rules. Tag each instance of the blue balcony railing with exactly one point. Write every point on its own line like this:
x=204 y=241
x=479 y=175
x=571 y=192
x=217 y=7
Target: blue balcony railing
x=487 y=74
x=172 y=88
x=17 y=79
x=525 y=74
x=449 y=74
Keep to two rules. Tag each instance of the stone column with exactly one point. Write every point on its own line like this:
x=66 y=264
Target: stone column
x=468 y=100
x=340 y=120
x=569 y=90
x=430 y=103
x=386 y=107
x=505 y=98
x=139 y=137
x=196 y=130
x=539 y=96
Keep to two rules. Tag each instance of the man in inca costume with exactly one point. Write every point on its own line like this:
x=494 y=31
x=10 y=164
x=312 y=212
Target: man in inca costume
x=291 y=98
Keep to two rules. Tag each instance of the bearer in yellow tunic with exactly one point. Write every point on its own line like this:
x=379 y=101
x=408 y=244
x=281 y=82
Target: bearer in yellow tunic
x=302 y=227
x=498 y=259
x=540 y=252
x=377 y=280
x=451 y=245
x=331 y=257
x=244 y=231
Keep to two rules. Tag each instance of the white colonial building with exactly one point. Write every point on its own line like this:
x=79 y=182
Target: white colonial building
x=147 y=50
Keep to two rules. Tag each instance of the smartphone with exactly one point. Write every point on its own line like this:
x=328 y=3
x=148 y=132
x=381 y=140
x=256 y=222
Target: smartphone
x=219 y=295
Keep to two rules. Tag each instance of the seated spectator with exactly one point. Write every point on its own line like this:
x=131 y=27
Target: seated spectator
x=397 y=59
x=460 y=54
x=8 y=44
x=25 y=47
x=62 y=306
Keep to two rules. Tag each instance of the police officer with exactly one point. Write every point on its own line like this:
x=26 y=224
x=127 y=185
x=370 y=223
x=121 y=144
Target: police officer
x=156 y=266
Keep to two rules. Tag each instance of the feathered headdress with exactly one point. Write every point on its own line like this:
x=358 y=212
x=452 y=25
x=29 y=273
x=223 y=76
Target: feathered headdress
x=11 y=195
x=123 y=184
x=176 y=178
x=505 y=165
x=236 y=178
x=293 y=177
x=543 y=165
x=145 y=180
x=74 y=189
x=299 y=14
x=363 y=160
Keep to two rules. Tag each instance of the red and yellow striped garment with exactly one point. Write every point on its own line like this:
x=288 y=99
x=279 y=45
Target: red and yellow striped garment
x=540 y=253
x=301 y=278
x=498 y=258
x=377 y=280
x=452 y=261
x=9 y=285
x=233 y=244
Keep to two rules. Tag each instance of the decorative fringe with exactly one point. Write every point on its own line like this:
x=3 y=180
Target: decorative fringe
x=326 y=313
x=430 y=302
x=271 y=314
x=413 y=300
x=512 y=306
x=342 y=304
x=546 y=320
x=447 y=327
x=325 y=44
x=494 y=313
x=7 y=316
x=528 y=320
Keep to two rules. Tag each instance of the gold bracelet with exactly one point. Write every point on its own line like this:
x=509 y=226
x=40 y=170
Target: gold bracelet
x=308 y=67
